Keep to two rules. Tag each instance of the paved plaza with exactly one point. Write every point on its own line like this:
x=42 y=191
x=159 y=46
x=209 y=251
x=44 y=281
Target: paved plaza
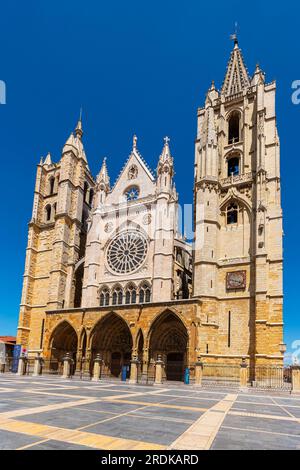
x=52 y=413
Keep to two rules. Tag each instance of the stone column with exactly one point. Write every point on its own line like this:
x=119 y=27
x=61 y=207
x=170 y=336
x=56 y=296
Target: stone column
x=145 y=361
x=134 y=370
x=198 y=372
x=97 y=368
x=37 y=366
x=158 y=371
x=21 y=365
x=243 y=374
x=67 y=366
x=79 y=362
x=2 y=364
x=296 y=379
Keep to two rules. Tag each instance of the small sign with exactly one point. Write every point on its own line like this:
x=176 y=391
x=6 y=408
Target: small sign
x=16 y=355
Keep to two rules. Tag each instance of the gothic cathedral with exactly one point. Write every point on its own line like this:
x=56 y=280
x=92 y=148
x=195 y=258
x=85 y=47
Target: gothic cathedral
x=108 y=272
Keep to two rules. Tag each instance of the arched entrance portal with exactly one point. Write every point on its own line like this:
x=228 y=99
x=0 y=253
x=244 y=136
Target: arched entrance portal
x=63 y=340
x=113 y=341
x=169 y=339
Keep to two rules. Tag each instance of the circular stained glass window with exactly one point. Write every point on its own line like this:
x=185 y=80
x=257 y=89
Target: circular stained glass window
x=132 y=193
x=126 y=252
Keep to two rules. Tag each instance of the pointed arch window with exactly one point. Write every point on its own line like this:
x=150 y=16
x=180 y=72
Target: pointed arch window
x=56 y=183
x=145 y=294
x=85 y=190
x=234 y=128
x=104 y=297
x=232 y=214
x=51 y=185
x=130 y=296
x=117 y=297
x=48 y=212
x=91 y=195
x=233 y=166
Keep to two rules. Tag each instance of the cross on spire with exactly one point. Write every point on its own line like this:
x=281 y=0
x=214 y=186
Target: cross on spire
x=167 y=140
x=234 y=36
x=134 y=142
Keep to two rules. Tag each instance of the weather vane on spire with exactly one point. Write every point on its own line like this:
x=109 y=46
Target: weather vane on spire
x=234 y=37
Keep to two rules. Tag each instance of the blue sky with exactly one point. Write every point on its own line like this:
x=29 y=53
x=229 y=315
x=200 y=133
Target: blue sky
x=135 y=67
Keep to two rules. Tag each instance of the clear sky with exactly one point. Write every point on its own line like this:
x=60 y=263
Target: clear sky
x=135 y=67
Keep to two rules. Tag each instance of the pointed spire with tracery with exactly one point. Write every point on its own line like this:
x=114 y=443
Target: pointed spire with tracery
x=166 y=153
x=103 y=180
x=166 y=162
x=74 y=142
x=237 y=78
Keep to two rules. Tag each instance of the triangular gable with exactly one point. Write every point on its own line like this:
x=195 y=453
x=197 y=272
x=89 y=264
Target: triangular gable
x=145 y=180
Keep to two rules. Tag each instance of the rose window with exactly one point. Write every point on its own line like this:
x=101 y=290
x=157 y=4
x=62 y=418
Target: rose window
x=132 y=193
x=126 y=252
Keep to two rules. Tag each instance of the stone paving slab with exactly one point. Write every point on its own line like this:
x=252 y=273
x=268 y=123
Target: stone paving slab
x=159 y=432
x=269 y=409
x=57 y=445
x=287 y=401
x=169 y=413
x=69 y=418
x=13 y=440
x=253 y=399
x=50 y=413
x=238 y=439
x=111 y=407
x=27 y=396
x=192 y=403
x=85 y=392
x=294 y=411
x=263 y=424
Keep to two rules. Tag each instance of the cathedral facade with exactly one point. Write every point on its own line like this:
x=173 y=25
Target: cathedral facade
x=108 y=272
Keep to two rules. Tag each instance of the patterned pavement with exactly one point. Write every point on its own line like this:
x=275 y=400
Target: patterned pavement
x=51 y=413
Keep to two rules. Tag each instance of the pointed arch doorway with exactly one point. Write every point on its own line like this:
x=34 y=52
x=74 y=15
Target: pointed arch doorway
x=169 y=338
x=112 y=339
x=63 y=340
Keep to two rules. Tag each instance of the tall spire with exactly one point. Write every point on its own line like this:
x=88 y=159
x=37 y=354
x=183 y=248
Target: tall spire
x=103 y=178
x=165 y=169
x=78 y=129
x=165 y=156
x=102 y=185
x=48 y=160
x=237 y=78
x=74 y=142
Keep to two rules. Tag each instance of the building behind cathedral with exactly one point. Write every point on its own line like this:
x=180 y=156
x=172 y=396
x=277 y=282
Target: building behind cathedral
x=108 y=272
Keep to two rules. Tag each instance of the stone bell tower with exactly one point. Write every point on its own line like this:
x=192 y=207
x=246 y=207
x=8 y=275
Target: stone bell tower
x=56 y=239
x=238 y=216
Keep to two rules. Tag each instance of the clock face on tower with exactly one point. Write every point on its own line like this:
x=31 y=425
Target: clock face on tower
x=236 y=280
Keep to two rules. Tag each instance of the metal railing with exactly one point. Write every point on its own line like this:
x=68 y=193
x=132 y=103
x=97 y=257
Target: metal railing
x=52 y=367
x=270 y=377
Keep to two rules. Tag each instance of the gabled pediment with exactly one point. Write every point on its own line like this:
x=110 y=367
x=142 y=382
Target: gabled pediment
x=134 y=174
